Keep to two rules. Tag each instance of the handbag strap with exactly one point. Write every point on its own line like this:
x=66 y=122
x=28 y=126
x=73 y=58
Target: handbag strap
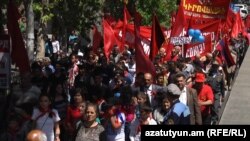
x=44 y=122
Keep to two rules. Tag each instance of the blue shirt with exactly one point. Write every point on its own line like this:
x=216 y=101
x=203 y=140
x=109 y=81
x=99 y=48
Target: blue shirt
x=179 y=113
x=72 y=38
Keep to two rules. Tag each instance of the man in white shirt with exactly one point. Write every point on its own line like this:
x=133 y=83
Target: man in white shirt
x=189 y=97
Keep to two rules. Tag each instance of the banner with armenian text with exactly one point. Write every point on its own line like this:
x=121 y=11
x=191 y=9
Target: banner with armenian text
x=205 y=9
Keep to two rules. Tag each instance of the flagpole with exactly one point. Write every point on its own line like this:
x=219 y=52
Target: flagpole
x=182 y=46
x=182 y=50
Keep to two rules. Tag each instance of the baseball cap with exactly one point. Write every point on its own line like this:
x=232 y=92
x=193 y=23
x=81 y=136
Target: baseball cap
x=199 y=77
x=173 y=89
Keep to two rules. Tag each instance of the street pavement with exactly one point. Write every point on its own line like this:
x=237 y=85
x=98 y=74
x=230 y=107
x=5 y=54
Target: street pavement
x=236 y=110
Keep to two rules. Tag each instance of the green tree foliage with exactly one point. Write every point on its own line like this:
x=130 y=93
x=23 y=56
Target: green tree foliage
x=162 y=8
x=43 y=11
x=77 y=14
x=3 y=16
x=82 y=14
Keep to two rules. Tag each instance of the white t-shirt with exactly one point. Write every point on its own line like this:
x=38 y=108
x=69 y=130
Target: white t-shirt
x=158 y=116
x=46 y=123
x=56 y=46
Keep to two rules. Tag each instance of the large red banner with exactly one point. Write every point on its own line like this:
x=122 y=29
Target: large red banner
x=208 y=28
x=206 y=9
x=145 y=35
x=199 y=48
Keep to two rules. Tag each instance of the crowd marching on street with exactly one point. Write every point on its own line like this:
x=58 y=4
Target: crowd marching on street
x=81 y=94
x=67 y=94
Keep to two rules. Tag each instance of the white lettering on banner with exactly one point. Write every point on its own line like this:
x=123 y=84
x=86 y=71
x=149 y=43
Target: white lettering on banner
x=197 y=15
x=212 y=35
x=146 y=46
x=180 y=40
x=200 y=48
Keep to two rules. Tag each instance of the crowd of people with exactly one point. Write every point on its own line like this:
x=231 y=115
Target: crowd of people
x=85 y=96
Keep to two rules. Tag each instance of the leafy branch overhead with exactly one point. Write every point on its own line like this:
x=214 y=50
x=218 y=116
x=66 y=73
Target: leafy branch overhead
x=162 y=8
x=82 y=14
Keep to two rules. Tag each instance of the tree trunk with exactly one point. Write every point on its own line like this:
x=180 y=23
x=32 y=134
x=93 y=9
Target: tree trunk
x=98 y=24
x=30 y=30
x=64 y=28
x=40 y=44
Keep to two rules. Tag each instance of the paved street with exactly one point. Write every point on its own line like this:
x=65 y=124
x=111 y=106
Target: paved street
x=237 y=108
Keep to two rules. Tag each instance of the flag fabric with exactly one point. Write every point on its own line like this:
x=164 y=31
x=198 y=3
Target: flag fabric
x=18 y=54
x=143 y=63
x=97 y=39
x=173 y=16
x=225 y=54
x=238 y=26
x=111 y=20
x=145 y=35
x=126 y=18
x=179 y=25
x=210 y=27
x=109 y=38
x=157 y=37
x=204 y=10
x=247 y=21
x=228 y=56
x=230 y=18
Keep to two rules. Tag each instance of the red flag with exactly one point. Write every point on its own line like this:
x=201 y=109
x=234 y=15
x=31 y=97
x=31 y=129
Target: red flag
x=157 y=37
x=145 y=34
x=173 y=16
x=247 y=22
x=237 y=26
x=180 y=23
x=109 y=38
x=97 y=39
x=19 y=54
x=111 y=20
x=126 y=17
x=225 y=53
x=143 y=64
x=177 y=29
x=230 y=17
x=210 y=27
